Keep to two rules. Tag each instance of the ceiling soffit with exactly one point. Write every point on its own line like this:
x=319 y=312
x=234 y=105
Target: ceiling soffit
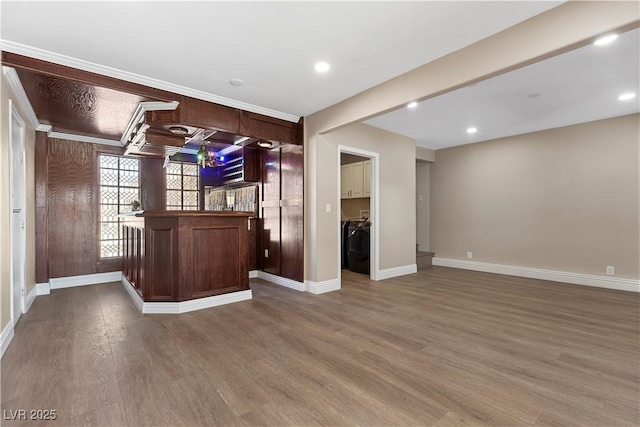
x=81 y=103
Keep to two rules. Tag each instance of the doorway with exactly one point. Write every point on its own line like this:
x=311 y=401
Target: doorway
x=18 y=234
x=357 y=223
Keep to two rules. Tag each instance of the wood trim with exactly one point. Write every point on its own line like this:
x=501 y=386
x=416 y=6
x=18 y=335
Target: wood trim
x=41 y=202
x=50 y=69
x=264 y=127
x=142 y=81
x=192 y=111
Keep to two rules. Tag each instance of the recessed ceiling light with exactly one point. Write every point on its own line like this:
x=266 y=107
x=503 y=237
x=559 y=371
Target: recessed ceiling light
x=605 y=39
x=179 y=130
x=322 y=67
x=472 y=130
x=236 y=82
x=626 y=96
x=412 y=104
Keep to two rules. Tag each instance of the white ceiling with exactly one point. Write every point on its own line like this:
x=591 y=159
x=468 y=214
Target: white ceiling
x=271 y=46
x=576 y=87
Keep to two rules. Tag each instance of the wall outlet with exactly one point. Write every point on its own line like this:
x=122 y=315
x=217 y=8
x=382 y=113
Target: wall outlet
x=469 y=255
x=611 y=270
x=266 y=253
x=327 y=208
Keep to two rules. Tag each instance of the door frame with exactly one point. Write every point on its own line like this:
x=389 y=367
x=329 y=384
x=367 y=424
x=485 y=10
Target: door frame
x=374 y=205
x=17 y=148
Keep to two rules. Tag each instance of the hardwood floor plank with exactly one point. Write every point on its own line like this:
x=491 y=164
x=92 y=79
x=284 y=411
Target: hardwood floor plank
x=442 y=347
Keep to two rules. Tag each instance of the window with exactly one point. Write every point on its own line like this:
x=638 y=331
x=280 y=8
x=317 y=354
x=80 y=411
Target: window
x=119 y=186
x=182 y=186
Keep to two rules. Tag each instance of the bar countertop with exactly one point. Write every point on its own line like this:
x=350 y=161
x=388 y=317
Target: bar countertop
x=150 y=214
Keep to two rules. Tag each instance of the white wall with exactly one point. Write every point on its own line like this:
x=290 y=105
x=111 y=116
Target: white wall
x=563 y=199
x=396 y=196
x=566 y=27
x=5 y=228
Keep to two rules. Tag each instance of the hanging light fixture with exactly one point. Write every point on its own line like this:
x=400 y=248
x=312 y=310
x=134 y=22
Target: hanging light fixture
x=207 y=159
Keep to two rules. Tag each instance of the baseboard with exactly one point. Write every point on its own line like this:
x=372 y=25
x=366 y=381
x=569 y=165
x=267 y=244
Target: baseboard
x=6 y=337
x=31 y=297
x=388 y=273
x=43 y=288
x=282 y=281
x=184 y=306
x=196 y=304
x=87 y=279
x=253 y=274
x=536 y=273
x=137 y=300
x=322 y=287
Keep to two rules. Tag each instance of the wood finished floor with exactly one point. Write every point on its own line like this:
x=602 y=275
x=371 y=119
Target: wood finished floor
x=442 y=347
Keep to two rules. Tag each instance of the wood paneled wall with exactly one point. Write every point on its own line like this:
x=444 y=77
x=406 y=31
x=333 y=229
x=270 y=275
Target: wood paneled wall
x=42 y=218
x=67 y=208
x=67 y=197
x=72 y=204
x=153 y=182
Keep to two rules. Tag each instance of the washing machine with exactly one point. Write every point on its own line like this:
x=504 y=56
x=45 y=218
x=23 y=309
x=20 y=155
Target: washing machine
x=358 y=246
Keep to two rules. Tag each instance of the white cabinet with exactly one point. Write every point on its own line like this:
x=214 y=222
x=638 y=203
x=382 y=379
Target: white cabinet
x=367 y=178
x=346 y=181
x=352 y=180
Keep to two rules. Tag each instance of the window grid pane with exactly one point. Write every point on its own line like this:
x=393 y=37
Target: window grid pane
x=119 y=186
x=182 y=186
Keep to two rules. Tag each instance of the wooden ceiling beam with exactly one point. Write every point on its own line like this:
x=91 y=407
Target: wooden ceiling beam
x=192 y=112
x=61 y=71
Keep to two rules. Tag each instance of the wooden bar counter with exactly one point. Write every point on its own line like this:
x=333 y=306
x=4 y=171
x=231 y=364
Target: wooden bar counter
x=174 y=256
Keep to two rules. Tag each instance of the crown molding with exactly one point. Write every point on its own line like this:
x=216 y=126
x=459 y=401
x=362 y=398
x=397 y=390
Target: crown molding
x=82 y=138
x=141 y=109
x=68 y=61
x=21 y=96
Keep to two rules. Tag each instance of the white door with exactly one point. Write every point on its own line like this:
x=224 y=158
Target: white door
x=18 y=240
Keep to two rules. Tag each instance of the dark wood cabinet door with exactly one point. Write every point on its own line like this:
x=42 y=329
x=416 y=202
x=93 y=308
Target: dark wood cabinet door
x=271 y=211
x=291 y=212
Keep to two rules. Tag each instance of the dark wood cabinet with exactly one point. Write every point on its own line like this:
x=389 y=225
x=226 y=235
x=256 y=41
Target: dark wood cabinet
x=255 y=244
x=292 y=212
x=183 y=255
x=282 y=211
x=241 y=166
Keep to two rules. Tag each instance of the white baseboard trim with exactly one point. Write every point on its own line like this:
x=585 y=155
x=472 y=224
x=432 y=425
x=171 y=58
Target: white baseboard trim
x=184 y=306
x=403 y=270
x=253 y=274
x=536 y=273
x=87 y=279
x=31 y=297
x=6 y=337
x=195 y=304
x=43 y=288
x=137 y=300
x=282 y=281
x=324 y=286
